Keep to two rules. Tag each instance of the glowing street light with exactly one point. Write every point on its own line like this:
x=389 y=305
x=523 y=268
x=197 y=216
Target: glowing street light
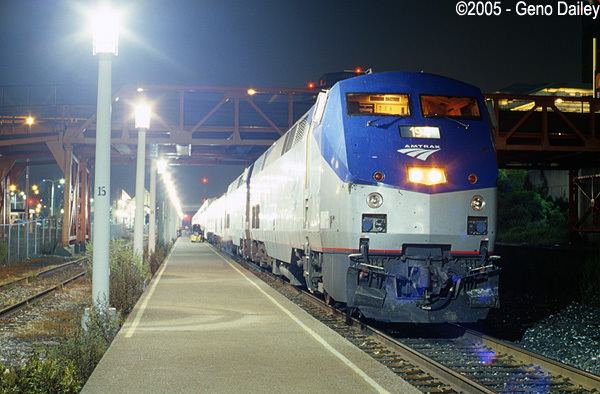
x=143 y=114
x=161 y=166
x=251 y=92
x=105 y=28
x=106 y=23
x=12 y=188
x=30 y=121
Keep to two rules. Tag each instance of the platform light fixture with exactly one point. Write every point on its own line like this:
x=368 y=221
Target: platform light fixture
x=29 y=120
x=171 y=190
x=251 y=92
x=143 y=113
x=106 y=23
x=161 y=166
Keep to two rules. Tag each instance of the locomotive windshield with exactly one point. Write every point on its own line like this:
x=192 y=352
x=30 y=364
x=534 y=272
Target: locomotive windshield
x=377 y=104
x=452 y=107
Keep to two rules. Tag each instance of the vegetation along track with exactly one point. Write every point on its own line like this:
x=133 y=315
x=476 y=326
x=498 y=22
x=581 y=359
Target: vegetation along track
x=21 y=292
x=470 y=362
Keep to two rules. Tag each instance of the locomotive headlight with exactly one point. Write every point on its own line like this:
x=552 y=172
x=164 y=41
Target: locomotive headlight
x=477 y=203
x=427 y=176
x=435 y=176
x=374 y=200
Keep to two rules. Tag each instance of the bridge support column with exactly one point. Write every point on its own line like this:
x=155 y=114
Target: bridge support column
x=83 y=207
x=70 y=166
x=584 y=192
x=68 y=189
x=6 y=166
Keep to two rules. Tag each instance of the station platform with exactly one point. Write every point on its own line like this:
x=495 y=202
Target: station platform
x=205 y=324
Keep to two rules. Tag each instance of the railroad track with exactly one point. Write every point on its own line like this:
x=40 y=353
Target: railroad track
x=41 y=273
x=12 y=307
x=469 y=363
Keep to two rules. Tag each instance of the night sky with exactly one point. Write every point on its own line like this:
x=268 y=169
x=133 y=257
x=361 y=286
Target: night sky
x=281 y=43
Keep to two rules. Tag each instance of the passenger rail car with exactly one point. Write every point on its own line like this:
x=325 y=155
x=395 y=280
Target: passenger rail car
x=382 y=196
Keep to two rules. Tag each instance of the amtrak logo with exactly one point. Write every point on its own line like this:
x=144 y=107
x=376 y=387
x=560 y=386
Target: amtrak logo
x=421 y=152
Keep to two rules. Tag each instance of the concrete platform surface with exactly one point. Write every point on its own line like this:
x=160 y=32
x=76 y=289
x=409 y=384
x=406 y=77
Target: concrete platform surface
x=207 y=325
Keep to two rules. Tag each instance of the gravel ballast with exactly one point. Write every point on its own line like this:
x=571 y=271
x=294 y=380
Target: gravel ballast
x=571 y=336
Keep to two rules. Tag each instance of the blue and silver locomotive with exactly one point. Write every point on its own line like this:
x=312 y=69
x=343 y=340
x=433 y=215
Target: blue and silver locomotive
x=382 y=196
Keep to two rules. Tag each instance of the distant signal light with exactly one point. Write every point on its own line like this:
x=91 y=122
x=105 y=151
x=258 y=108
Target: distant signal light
x=311 y=85
x=358 y=70
x=204 y=181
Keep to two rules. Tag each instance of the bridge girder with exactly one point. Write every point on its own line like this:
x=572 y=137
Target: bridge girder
x=223 y=125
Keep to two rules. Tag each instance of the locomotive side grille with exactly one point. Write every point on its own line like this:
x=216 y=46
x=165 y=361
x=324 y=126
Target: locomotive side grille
x=300 y=130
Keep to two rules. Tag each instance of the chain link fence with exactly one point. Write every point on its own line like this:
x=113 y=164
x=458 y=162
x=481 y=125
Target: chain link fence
x=22 y=240
x=26 y=239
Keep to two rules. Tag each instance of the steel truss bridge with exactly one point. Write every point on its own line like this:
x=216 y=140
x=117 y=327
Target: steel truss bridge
x=200 y=125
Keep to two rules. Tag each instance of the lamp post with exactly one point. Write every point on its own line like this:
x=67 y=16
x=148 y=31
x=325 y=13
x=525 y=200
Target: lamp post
x=152 y=224
x=53 y=181
x=105 y=26
x=142 y=124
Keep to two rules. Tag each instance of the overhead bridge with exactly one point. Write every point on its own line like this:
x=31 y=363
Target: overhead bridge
x=221 y=125
x=546 y=131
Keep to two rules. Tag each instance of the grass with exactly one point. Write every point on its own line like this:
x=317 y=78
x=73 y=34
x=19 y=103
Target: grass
x=56 y=324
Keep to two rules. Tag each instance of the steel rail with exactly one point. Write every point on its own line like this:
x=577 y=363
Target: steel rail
x=14 y=307
x=583 y=378
x=446 y=375
x=40 y=273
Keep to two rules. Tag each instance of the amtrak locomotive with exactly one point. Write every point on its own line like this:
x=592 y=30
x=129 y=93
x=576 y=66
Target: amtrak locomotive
x=382 y=196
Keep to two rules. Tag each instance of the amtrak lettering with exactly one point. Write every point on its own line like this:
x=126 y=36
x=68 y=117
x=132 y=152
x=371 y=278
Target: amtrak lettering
x=418 y=151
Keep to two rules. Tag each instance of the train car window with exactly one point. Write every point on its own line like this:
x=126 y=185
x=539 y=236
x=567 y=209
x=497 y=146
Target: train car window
x=255 y=213
x=452 y=107
x=258 y=216
x=378 y=104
